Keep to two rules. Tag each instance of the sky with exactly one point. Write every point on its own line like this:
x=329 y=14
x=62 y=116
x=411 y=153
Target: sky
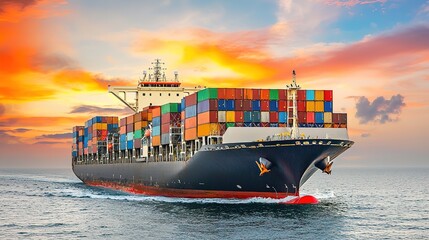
x=57 y=58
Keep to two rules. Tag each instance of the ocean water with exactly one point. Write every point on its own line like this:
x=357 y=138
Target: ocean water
x=354 y=204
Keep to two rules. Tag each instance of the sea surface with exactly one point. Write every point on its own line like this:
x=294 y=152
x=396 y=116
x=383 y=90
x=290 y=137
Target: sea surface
x=354 y=204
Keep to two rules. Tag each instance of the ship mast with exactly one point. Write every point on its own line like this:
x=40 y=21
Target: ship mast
x=292 y=92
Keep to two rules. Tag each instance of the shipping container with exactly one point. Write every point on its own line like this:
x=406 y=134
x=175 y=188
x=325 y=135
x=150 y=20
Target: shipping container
x=239 y=93
x=282 y=105
x=319 y=95
x=328 y=106
x=190 y=134
x=328 y=95
x=282 y=94
x=310 y=117
x=265 y=94
x=319 y=106
x=191 y=100
x=130 y=136
x=165 y=128
x=247 y=105
x=282 y=117
x=190 y=111
x=137 y=117
x=156 y=130
x=170 y=108
x=256 y=116
x=171 y=118
x=274 y=117
x=208 y=129
x=274 y=94
x=130 y=127
x=230 y=125
x=165 y=138
x=327 y=117
x=309 y=95
x=230 y=93
x=274 y=105
x=230 y=116
x=156 y=140
x=302 y=117
x=221 y=93
x=137 y=126
x=208 y=93
x=302 y=106
x=301 y=95
x=239 y=116
x=247 y=116
x=221 y=116
x=256 y=94
x=310 y=106
x=130 y=119
x=191 y=122
x=265 y=116
x=248 y=94
x=208 y=117
x=182 y=104
x=319 y=117
x=256 y=105
x=238 y=105
x=137 y=143
x=265 y=105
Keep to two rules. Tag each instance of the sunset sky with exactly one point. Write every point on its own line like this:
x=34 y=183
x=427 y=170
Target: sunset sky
x=57 y=58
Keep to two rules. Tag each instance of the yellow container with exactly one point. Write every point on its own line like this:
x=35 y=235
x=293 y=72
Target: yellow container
x=208 y=129
x=230 y=116
x=310 y=106
x=319 y=106
x=319 y=95
x=328 y=125
x=327 y=117
x=103 y=126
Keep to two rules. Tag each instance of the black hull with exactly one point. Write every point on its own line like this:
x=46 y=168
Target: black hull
x=226 y=170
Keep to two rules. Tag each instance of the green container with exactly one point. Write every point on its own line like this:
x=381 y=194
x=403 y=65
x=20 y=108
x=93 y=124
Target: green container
x=274 y=94
x=208 y=93
x=230 y=125
x=138 y=134
x=170 y=107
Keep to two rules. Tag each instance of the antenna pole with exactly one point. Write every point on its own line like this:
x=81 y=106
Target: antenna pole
x=292 y=92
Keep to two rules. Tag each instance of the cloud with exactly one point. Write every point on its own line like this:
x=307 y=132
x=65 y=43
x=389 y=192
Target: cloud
x=351 y=3
x=55 y=136
x=21 y=130
x=2 y=109
x=99 y=110
x=365 y=135
x=22 y=4
x=380 y=110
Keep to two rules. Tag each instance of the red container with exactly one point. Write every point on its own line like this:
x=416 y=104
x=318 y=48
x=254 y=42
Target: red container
x=302 y=95
x=282 y=94
x=328 y=95
x=138 y=143
x=190 y=100
x=239 y=93
x=343 y=118
x=123 y=130
x=221 y=93
x=310 y=117
x=256 y=94
x=230 y=93
x=137 y=117
x=144 y=115
x=274 y=117
x=265 y=94
x=165 y=128
x=265 y=105
x=239 y=116
x=238 y=105
x=173 y=118
x=302 y=117
x=282 y=106
x=247 y=105
x=302 y=106
x=130 y=127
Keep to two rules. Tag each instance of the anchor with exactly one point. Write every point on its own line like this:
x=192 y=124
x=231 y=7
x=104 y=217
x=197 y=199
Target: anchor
x=263 y=165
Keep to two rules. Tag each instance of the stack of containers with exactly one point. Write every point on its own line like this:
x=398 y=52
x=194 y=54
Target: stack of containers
x=339 y=120
x=96 y=131
x=170 y=117
x=207 y=112
x=141 y=121
x=314 y=108
x=156 y=126
x=123 y=134
x=77 y=144
x=129 y=129
x=190 y=123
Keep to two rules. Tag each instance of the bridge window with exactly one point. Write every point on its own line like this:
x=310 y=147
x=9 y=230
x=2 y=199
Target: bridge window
x=160 y=94
x=169 y=94
x=177 y=94
x=144 y=94
x=150 y=94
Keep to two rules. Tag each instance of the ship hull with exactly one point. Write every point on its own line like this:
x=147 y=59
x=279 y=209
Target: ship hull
x=220 y=171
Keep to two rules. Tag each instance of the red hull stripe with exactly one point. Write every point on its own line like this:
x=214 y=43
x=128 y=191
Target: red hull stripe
x=184 y=193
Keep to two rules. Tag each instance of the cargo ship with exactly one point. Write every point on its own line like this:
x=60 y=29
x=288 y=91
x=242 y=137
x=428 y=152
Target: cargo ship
x=211 y=142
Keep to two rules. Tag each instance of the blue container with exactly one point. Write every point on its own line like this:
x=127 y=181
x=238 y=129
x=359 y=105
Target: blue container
x=203 y=106
x=90 y=136
x=182 y=104
x=85 y=143
x=156 y=121
x=130 y=136
x=80 y=138
x=85 y=132
x=191 y=111
x=328 y=106
x=230 y=105
x=274 y=125
x=318 y=117
x=221 y=106
x=74 y=154
x=274 y=105
x=247 y=116
x=156 y=131
x=123 y=145
x=130 y=144
x=282 y=117
x=309 y=95
x=256 y=116
x=256 y=105
x=123 y=138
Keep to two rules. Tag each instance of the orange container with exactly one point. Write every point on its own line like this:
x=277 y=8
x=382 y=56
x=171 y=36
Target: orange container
x=319 y=106
x=109 y=120
x=149 y=116
x=265 y=94
x=115 y=120
x=208 y=129
x=230 y=93
x=239 y=116
x=156 y=140
x=310 y=106
x=137 y=126
x=190 y=122
x=319 y=95
x=156 y=112
x=190 y=134
x=144 y=124
x=130 y=119
x=208 y=117
x=327 y=125
x=248 y=94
